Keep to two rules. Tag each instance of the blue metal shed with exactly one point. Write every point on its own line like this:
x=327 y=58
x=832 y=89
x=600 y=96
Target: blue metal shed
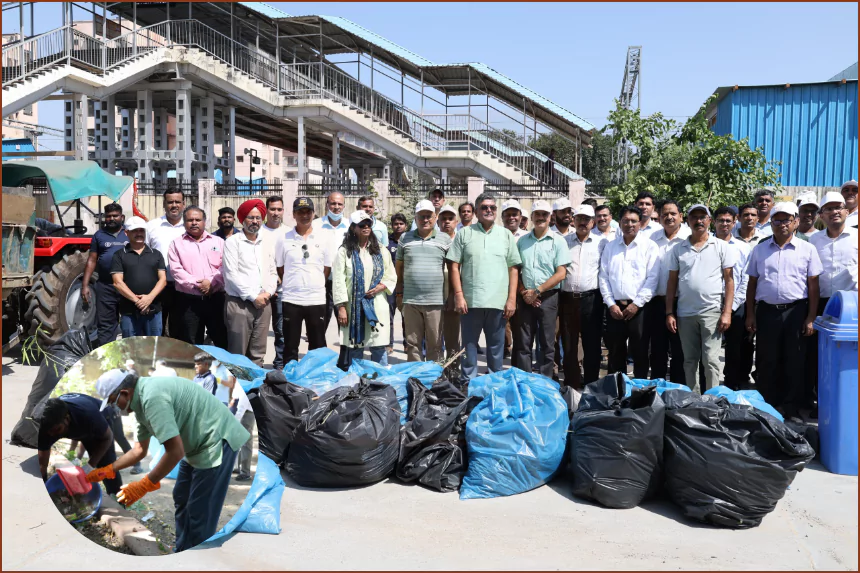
x=811 y=128
x=17 y=145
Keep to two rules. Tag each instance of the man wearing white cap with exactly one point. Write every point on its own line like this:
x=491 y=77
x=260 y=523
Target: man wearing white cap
x=696 y=267
x=484 y=272
x=197 y=432
x=420 y=270
x=139 y=276
x=511 y=214
x=580 y=305
x=544 y=258
x=849 y=195
x=782 y=299
x=563 y=217
x=807 y=208
x=837 y=249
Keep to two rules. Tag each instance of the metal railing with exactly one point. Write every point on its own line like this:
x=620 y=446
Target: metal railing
x=347 y=188
x=34 y=54
x=265 y=189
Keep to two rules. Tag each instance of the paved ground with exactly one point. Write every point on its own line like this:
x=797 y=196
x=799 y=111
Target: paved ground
x=393 y=526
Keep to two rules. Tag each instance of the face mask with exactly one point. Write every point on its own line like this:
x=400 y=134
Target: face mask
x=335 y=216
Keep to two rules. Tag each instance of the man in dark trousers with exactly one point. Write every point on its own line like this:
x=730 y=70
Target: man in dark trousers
x=105 y=243
x=77 y=416
x=139 y=276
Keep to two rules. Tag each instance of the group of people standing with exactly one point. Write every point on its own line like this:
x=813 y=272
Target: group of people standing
x=663 y=285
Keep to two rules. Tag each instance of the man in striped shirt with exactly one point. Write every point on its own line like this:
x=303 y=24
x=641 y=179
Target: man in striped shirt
x=420 y=281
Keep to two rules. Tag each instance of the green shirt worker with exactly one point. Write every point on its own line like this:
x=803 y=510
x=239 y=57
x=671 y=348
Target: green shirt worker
x=192 y=424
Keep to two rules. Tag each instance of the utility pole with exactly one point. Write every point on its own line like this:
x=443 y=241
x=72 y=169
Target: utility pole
x=631 y=89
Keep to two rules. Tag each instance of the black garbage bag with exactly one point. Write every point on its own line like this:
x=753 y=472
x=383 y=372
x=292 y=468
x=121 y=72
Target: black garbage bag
x=349 y=437
x=60 y=356
x=616 y=444
x=433 y=440
x=810 y=433
x=727 y=464
x=571 y=397
x=278 y=408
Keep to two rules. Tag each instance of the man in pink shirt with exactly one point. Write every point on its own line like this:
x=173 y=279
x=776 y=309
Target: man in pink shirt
x=195 y=260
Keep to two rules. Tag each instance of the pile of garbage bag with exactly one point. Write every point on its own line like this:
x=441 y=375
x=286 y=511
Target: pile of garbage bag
x=727 y=464
x=433 y=441
x=515 y=436
x=397 y=376
x=659 y=383
x=349 y=437
x=616 y=447
x=278 y=407
x=60 y=356
x=745 y=397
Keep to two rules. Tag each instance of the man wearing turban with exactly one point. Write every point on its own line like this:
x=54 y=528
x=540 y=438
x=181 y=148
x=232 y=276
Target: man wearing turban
x=250 y=280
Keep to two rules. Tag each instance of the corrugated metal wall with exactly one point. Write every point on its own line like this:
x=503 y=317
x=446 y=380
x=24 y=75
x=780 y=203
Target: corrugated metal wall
x=811 y=128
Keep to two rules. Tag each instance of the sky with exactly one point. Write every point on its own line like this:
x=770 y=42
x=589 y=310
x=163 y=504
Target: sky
x=574 y=54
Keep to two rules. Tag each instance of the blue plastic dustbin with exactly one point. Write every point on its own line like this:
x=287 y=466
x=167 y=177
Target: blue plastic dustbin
x=837 y=383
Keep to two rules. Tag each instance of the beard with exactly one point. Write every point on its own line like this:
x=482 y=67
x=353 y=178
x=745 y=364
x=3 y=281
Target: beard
x=252 y=228
x=113 y=226
x=225 y=225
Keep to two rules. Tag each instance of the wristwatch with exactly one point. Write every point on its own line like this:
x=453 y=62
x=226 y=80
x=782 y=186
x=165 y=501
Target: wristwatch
x=670 y=314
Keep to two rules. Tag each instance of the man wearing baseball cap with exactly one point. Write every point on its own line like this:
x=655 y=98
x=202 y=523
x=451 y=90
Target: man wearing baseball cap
x=782 y=300
x=437 y=199
x=250 y=280
x=139 y=276
x=837 y=249
x=544 y=257
x=807 y=208
x=420 y=267
x=303 y=257
x=849 y=195
x=700 y=271
x=563 y=217
x=197 y=432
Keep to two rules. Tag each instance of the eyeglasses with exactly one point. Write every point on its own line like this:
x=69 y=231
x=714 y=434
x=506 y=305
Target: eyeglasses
x=253 y=219
x=305 y=250
x=488 y=208
x=781 y=222
x=725 y=221
x=364 y=225
x=833 y=209
x=424 y=217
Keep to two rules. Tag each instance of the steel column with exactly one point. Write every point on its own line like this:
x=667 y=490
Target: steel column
x=302 y=152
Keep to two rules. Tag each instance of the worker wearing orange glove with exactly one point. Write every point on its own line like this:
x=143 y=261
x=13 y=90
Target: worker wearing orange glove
x=197 y=432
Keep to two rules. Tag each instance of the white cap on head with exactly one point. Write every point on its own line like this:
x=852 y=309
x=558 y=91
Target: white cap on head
x=511 y=204
x=424 y=205
x=359 y=216
x=561 y=204
x=808 y=199
x=699 y=206
x=135 y=223
x=850 y=183
x=787 y=207
x=541 y=205
x=129 y=363
x=108 y=383
x=832 y=197
x=586 y=210
x=448 y=209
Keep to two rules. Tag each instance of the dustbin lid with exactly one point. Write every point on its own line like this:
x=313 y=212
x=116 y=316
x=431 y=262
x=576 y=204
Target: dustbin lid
x=839 y=320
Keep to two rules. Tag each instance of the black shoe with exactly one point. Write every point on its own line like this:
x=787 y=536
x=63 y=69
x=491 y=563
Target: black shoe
x=243 y=477
x=136 y=470
x=480 y=350
x=506 y=354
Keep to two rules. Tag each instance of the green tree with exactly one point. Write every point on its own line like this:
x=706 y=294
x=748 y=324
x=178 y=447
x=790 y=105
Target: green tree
x=689 y=163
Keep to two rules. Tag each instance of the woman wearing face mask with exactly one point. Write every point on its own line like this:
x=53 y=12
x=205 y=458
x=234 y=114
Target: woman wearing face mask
x=362 y=277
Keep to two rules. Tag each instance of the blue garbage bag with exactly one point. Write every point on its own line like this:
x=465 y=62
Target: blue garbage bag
x=661 y=384
x=156 y=450
x=746 y=398
x=239 y=365
x=397 y=376
x=516 y=436
x=261 y=510
x=317 y=370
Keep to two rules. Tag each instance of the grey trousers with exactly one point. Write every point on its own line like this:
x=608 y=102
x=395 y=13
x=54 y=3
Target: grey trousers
x=423 y=323
x=492 y=322
x=700 y=340
x=525 y=328
x=247 y=328
x=246 y=452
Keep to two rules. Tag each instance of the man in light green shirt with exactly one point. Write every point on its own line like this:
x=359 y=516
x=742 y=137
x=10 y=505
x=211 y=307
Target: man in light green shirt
x=545 y=258
x=192 y=424
x=484 y=259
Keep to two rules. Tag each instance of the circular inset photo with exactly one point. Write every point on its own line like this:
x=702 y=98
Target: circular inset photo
x=148 y=435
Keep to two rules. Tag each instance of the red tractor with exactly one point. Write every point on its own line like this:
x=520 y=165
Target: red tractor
x=42 y=292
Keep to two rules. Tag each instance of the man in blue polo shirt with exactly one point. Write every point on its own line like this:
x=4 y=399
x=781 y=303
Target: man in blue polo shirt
x=105 y=243
x=78 y=417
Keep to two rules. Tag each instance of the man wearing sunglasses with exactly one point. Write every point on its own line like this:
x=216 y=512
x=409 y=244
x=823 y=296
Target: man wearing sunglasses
x=484 y=275
x=304 y=257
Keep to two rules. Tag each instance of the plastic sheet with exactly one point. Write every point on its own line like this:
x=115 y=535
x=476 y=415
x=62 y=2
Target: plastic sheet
x=746 y=398
x=397 y=376
x=616 y=443
x=318 y=371
x=727 y=464
x=349 y=437
x=661 y=385
x=516 y=436
x=156 y=450
x=239 y=365
x=433 y=441
x=278 y=406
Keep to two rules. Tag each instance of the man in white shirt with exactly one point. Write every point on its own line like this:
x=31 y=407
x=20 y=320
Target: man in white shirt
x=581 y=307
x=849 y=195
x=250 y=279
x=337 y=226
x=807 y=208
x=367 y=205
x=159 y=234
x=746 y=227
x=646 y=204
x=466 y=211
x=764 y=204
x=273 y=231
x=303 y=257
x=739 y=342
x=564 y=217
x=837 y=249
x=629 y=270
x=603 y=222
x=660 y=340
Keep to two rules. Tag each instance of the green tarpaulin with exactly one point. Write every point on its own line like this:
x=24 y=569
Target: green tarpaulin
x=68 y=180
